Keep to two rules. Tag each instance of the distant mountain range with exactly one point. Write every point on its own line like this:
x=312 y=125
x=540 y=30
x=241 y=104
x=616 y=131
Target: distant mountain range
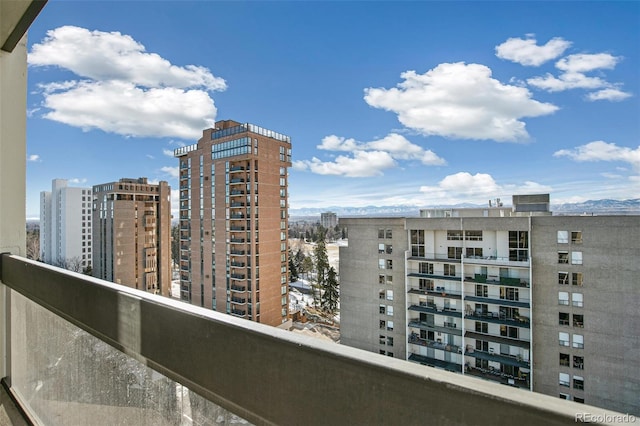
x=596 y=207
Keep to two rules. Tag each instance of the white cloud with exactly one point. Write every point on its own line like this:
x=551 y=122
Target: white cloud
x=460 y=101
x=527 y=52
x=35 y=158
x=151 y=157
x=114 y=56
x=584 y=62
x=602 y=151
x=611 y=175
x=172 y=171
x=122 y=108
x=610 y=94
x=124 y=89
x=362 y=164
x=77 y=181
x=465 y=187
x=367 y=158
x=566 y=81
x=573 y=76
x=168 y=152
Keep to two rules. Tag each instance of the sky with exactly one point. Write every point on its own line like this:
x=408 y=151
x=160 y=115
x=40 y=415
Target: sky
x=386 y=103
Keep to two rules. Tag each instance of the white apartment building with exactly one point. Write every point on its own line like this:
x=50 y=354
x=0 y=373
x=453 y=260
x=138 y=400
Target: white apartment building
x=65 y=226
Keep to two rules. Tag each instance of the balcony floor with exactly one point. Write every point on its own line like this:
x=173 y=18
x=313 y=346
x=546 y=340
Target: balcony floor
x=9 y=413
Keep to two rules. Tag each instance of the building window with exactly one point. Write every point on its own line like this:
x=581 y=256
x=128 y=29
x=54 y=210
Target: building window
x=390 y=310
x=507 y=331
x=564 y=360
x=576 y=237
x=578 y=382
x=563 y=379
x=388 y=234
x=381 y=295
x=454 y=235
x=565 y=396
x=426 y=268
x=578 y=320
x=389 y=325
x=382 y=339
x=425 y=284
x=563 y=338
x=454 y=252
x=417 y=243
x=380 y=233
x=482 y=327
x=381 y=264
x=578 y=341
x=383 y=309
x=450 y=270
x=389 y=294
x=563 y=318
x=576 y=299
x=579 y=400
x=563 y=278
x=578 y=362
x=563 y=237
x=381 y=279
x=381 y=248
x=577 y=278
x=482 y=346
x=389 y=341
x=388 y=249
x=519 y=246
x=473 y=235
x=482 y=290
x=509 y=293
x=563 y=257
x=474 y=252
x=563 y=298
x=576 y=258
x=383 y=324
x=389 y=264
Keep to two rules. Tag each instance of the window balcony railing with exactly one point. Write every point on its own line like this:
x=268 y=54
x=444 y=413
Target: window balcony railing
x=69 y=335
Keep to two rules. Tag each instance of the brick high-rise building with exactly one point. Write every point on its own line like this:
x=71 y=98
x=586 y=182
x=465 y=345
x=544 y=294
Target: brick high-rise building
x=234 y=220
x=131 y=238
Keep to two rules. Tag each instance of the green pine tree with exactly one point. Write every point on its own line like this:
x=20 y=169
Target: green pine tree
x=330 y=295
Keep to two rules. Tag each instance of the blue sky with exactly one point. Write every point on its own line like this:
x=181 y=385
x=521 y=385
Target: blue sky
x=415 y=103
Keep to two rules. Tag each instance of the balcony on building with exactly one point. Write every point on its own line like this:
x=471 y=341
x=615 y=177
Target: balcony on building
x=415 y=339
x=434 y=257
x=446 y=327
x=432 y=308
x=496 y=280
x=435 y=362
x=510 y=261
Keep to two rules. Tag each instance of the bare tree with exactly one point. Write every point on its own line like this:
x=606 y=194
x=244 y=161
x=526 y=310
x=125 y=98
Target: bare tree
x=33 y=244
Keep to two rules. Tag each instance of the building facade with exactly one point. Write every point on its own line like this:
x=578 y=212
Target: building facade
x=131 y=238
x=234 y=221
x=328 y=220
x=65 y=226
x=539 y=302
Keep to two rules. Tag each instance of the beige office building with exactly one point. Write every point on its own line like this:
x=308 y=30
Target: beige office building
x=131 y=234
x=234 y=221
x=516 y=296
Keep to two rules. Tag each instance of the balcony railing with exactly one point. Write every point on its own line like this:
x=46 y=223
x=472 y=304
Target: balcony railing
x=416 y=340
x=70 y=379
